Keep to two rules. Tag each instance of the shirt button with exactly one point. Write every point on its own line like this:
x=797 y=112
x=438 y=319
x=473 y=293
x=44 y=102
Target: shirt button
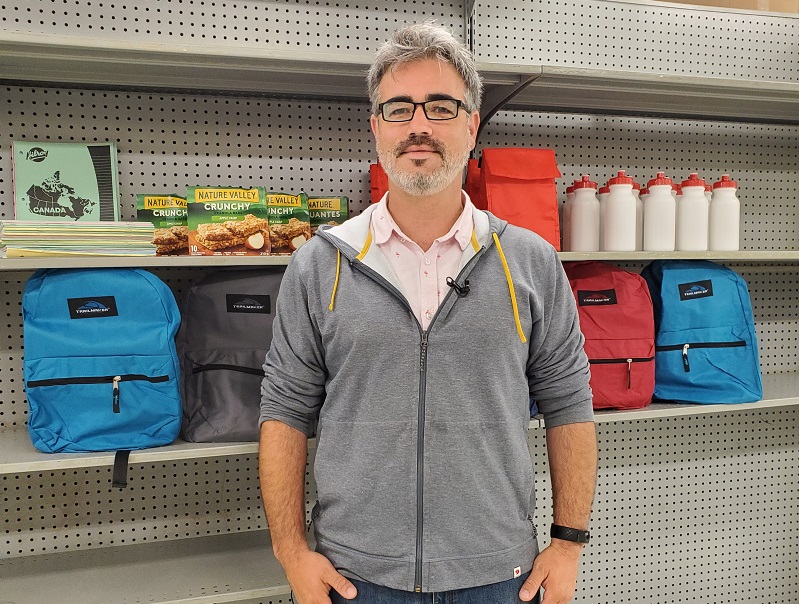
x=428 y=315
x=427 y=260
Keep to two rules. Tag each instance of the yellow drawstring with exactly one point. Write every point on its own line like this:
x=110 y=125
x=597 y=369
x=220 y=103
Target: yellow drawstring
x=510 y=287
x=475 y=244
x=366 y=246
x=335 y=283
x=360 y=256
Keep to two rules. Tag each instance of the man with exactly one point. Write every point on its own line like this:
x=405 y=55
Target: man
x=415 y=333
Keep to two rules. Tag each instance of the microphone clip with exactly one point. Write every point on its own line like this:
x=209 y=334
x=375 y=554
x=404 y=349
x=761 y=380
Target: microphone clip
x=460 y=290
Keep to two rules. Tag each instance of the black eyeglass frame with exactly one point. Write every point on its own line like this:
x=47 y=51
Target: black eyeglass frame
x=423 y=105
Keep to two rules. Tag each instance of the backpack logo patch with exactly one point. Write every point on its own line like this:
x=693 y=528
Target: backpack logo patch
x=249 y=303
x=91 y=308
x=696 y=289
x=602 y=297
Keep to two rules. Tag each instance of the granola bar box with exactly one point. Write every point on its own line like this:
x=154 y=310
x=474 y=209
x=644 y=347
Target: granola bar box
x=327 y=210
x=169 y=216
x=227 y=221
x=289 y=223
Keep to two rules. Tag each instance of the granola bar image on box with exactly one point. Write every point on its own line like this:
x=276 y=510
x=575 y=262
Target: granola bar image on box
x=216 y=236
x=172 y=239
x=291 y=234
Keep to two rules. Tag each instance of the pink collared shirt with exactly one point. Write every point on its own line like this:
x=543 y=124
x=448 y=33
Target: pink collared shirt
x=422 y=275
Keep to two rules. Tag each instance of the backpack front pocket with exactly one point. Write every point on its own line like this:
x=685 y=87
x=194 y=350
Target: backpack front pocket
x=622 y=372
x=102 y=403
x=713 y=365
x=222 y=395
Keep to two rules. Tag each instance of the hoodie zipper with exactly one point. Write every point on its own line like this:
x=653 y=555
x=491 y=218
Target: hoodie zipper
x=114 y=380
x=423 y=344
x=420 y=458
x=685 y=347
x=629 y=362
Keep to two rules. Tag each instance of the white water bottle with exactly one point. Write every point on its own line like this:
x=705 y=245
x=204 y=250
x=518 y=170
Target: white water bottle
x=659 y=215
x=725 y=216
x=604 y=192
x=584 y=227
x=692 y=216
x=620 y=215
x=566 y=244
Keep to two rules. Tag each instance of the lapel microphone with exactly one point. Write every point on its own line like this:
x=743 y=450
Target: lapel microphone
x=461 y=290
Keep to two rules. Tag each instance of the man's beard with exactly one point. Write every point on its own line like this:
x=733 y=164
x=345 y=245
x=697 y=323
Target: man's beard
x=418 y=184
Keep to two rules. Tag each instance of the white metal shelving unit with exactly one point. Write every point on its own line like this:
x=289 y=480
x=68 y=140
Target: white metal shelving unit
x=166 y=66
x=195 y=93
x=205 y=570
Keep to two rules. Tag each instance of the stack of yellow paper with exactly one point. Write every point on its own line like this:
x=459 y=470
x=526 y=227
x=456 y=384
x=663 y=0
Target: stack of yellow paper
x=25 y=238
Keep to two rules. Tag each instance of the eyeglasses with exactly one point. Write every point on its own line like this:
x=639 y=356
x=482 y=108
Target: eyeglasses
x=403 y=111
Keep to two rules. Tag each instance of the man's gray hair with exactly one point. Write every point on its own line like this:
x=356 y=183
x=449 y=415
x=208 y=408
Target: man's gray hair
x=425 y=41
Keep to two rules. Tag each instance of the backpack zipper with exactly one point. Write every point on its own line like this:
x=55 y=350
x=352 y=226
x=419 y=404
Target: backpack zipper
x=684 y=347
x=223 y=366
x=629 y=362
x=114 y=380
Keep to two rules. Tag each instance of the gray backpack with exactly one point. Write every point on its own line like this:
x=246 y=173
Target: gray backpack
x=224 y=335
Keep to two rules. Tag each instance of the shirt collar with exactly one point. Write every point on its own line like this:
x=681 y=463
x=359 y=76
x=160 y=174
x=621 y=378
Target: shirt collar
x=383 y=225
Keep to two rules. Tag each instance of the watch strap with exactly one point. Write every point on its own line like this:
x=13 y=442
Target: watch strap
x=568 y=533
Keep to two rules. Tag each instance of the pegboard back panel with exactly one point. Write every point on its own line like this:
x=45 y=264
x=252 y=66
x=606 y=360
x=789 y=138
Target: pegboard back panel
x=69 y=510
x=54 y=511
x=647 y=37
x=352 y=28
x=690 y=509
x=13 y=403
x=773 y=290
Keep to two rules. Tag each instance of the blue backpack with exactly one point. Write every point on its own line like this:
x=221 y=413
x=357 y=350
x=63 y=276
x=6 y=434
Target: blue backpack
x=100 y=367
x=705 y=345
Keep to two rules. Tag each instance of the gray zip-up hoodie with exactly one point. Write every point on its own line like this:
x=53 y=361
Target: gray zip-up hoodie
x=423 y=473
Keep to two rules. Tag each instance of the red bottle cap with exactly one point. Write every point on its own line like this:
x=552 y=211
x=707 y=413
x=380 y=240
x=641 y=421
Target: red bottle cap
x=694 y=181
x=584 y=183
x=605 y=189
x=661 y=179
x=621 y=179
x=569 y=189
x=725 y=182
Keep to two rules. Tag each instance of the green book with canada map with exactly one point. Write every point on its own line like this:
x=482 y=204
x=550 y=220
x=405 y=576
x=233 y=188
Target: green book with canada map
x=65 y=181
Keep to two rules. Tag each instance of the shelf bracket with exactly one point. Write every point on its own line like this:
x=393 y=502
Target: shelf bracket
x=496 y=98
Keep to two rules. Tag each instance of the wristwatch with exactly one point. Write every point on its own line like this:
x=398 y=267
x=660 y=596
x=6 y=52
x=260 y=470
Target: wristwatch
x=569 y=534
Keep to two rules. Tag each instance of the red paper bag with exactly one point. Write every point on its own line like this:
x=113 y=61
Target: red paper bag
x=518 y=185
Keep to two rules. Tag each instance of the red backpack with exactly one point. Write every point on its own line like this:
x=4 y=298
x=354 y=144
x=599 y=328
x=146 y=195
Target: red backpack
x=617 y=320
